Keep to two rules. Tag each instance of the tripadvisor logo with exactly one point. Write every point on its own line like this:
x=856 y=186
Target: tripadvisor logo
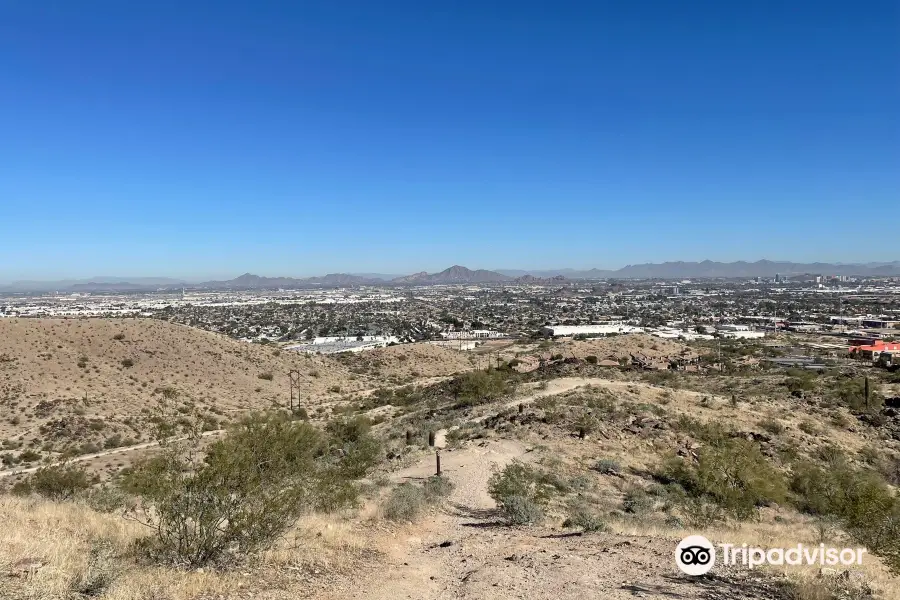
x=696 y=555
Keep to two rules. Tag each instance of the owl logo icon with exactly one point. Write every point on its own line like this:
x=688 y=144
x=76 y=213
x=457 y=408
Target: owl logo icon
x=695 y=555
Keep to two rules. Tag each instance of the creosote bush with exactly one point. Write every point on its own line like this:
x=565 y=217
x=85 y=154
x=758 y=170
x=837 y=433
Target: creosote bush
x=581 y=515
x=475 y=387
x=859 y=499
x=520 y=493
x=247 y=490
x=732 y=473
x=407 y=501
x=58 y=482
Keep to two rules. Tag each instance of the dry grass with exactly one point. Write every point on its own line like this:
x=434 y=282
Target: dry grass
x=61 y=537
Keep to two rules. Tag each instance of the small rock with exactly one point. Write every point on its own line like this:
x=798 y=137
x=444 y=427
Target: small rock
x=827 y=572
x=445 y=544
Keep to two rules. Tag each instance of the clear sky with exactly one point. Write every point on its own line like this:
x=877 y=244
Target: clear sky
x=196 y=139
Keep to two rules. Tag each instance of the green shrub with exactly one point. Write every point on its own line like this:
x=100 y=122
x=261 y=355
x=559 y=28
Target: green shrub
x=519 y=493
x=106 y=498
x=359 y=456
x=437 y=487
x=521 y=510
x=349 y=430
x=607 y=466
x=583 y=516
x=407 y=501
x=637 y=502
x=851 y=393
x=475 y=387
x=808 y=427
x=99 y=573
x=251 y=486
x=58 y=482
x=733 y=473
x=29 y=456
x=860 y=499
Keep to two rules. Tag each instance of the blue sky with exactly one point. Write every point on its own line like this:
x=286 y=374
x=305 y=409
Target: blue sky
x=197 y=139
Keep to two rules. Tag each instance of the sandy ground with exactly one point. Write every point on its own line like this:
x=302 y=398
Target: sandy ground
x=463 y=552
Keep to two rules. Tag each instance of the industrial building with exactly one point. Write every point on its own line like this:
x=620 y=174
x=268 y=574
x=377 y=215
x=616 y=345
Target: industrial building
x=335 y=344
x=739 y=332
x=590 y=330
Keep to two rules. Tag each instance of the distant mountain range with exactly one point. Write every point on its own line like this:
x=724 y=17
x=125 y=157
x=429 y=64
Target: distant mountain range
x=461 y=275
x=455 y=274
x=712 y=269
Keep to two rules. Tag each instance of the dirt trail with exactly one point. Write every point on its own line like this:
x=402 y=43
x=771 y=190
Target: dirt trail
x=555 y=386
x=463 y=552
x=100 y=454
x=417 y=566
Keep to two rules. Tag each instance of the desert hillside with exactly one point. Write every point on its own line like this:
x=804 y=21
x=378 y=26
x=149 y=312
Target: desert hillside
x=72 y=387
x=576 y=477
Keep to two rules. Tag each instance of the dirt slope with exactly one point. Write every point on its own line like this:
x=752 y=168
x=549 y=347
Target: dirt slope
x=85 y=382
x=71 y=387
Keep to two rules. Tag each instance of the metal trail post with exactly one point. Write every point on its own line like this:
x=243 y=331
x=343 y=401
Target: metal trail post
x=437 y=457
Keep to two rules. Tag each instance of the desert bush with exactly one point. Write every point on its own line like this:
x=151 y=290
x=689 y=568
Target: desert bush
x=519 y=493
x=608 y=466
x=349 y=430
x=475 y=387
x=437 y=487
x=585 y=425
x=800 y=380
x=733 y=473
x=58 y=482
x=637 y=502
x=860 y=499
x=773 y=426
x=127 y=363
x=359 y=456
x=119 y=337
x=29 y=456
x=405 y=503
x=591 y=359
x=251 y=486
x=828 y=588
x=105 y=498
x=580 y=514
x=520 y=510
x=808 y=427
x=267 y=376
x=851 y=393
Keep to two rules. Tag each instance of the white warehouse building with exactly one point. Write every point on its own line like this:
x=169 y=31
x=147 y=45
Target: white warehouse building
x=567 y=330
